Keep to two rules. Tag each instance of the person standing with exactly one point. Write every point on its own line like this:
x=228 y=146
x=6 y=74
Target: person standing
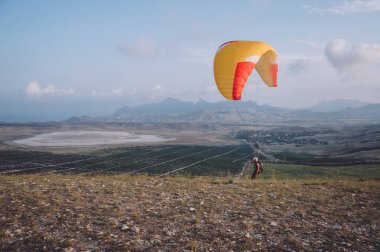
x=258 y=167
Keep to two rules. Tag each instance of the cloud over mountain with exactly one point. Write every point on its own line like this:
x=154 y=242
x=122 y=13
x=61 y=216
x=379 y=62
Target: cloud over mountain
x=35 y=89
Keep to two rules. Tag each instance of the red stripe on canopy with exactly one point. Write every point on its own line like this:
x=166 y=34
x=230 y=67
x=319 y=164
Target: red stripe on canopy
x=242 y=72
x=274 y=68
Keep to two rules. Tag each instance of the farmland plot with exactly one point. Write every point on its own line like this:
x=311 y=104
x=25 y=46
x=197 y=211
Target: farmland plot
x=157 y=160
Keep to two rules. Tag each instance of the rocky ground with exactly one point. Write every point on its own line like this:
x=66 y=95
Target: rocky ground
x=139 y=213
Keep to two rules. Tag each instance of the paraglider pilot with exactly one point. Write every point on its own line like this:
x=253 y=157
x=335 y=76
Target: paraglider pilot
x=258 y=167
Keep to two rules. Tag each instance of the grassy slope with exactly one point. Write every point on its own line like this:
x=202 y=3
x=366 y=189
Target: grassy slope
x=292 y=171
x=122 y=212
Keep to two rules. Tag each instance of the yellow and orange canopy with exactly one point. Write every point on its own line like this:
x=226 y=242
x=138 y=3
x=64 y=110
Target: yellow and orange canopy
x=234 y=62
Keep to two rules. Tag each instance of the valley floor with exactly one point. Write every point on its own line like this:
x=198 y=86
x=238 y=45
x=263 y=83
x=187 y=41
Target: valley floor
x=143 y=213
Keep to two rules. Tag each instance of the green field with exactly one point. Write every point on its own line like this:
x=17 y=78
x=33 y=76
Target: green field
x=182 y=160
x=292 y=171
x=190 y=160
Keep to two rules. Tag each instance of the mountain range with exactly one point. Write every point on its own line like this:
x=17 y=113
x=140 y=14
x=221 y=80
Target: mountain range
x=336 y=105
x=173 y=110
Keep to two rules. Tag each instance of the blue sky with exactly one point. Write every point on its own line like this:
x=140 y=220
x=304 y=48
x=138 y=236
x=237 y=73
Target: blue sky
x=61 y=58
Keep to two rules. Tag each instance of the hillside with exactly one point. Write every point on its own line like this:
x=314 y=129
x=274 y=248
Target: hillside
x=336 y=105
x=139 y=213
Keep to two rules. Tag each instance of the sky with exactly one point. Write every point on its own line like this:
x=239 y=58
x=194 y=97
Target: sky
x=63 y=58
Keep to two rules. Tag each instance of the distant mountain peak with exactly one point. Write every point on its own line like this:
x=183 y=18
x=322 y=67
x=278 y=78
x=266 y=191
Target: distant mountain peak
x=201 y=101
x=169 y=99
x=336 y=105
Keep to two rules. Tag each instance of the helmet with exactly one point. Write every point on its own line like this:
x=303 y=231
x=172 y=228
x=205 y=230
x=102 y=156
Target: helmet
x=255 y=159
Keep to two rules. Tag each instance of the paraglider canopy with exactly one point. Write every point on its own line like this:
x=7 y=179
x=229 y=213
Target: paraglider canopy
x=234 y=62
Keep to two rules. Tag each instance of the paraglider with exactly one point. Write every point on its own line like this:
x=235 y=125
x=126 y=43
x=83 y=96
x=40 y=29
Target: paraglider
x=234 y=62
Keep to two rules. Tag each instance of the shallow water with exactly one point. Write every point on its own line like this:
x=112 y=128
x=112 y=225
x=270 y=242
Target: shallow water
x=87 y=138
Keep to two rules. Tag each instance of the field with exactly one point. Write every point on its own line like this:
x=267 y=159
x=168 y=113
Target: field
x=139 y=213
x=184 y=160
x=186 y=195
x=305 y=172
x=318 y=145
x=157 y=160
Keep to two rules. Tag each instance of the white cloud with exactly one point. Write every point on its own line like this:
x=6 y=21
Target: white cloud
x=157 y=88
x=356 y=6
x=115 y=92
x=211 y=89
x=298 y=66
x=191 y=54
x=347 y=7
x=344 y=58
x=198 y=55
x=308 y=42
x=141 y=48
x=35 y=89
x=118 y=91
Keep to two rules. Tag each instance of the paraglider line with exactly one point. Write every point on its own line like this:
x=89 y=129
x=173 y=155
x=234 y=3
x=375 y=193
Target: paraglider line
x=242 y=158
x=200 y=161
x=39 y=165
x=105 y=161
x=138 y=161
x=147 y=167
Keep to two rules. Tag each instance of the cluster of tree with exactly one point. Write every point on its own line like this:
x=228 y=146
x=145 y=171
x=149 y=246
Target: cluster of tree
x=281 y=137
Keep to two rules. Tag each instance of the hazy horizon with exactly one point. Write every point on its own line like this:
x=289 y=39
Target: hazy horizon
x=60 y=59
x=32 y=114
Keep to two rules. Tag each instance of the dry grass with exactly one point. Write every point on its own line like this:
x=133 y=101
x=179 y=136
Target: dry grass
x=139 y=213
